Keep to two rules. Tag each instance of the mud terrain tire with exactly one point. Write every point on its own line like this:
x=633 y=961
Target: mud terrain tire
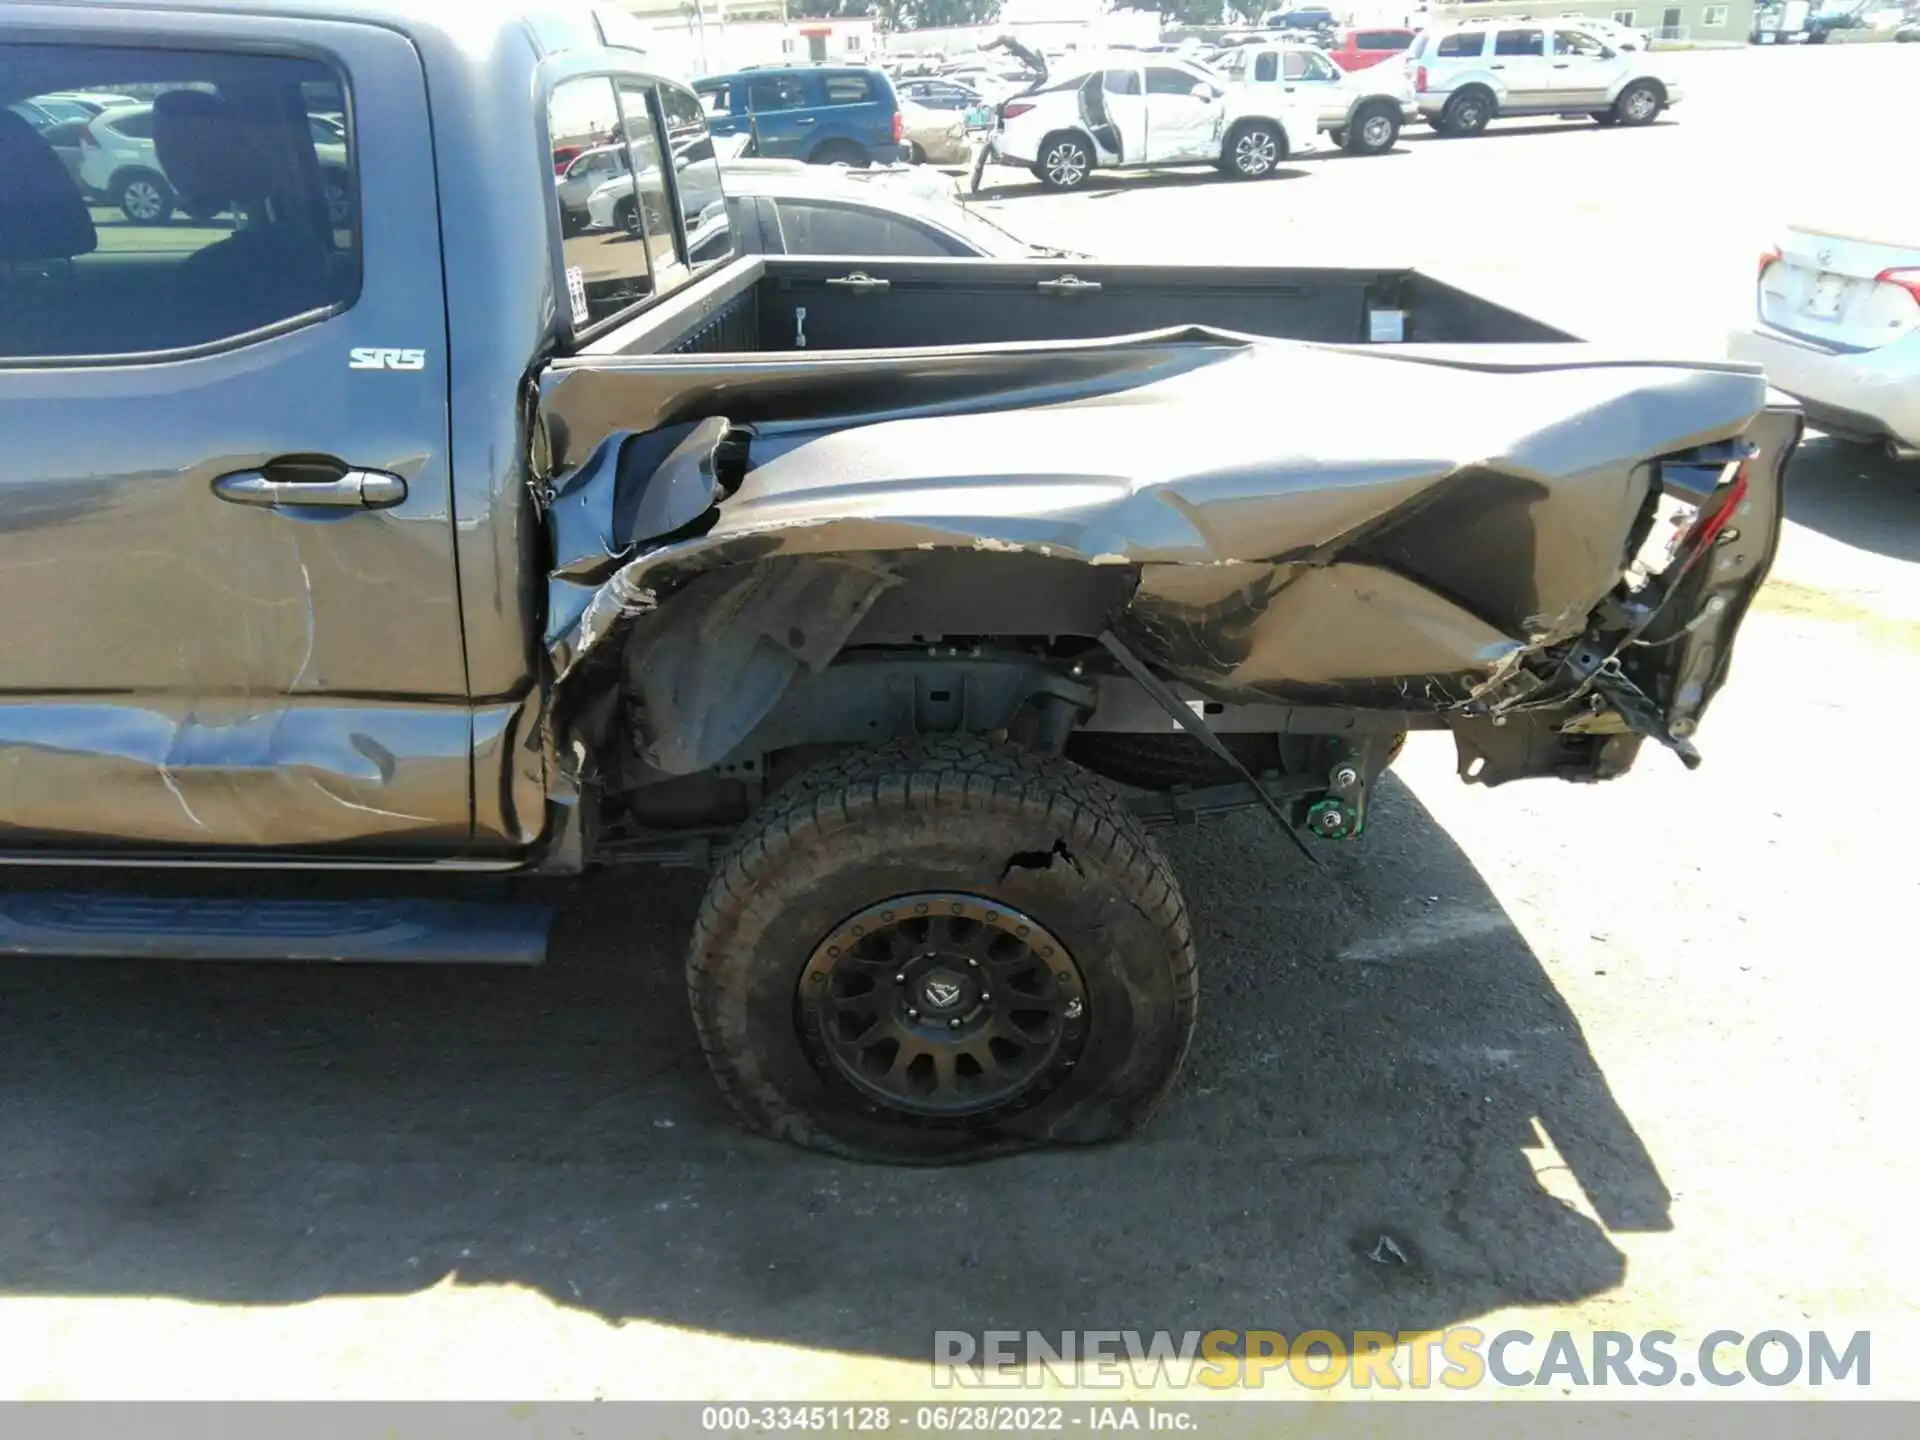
x=943 y=851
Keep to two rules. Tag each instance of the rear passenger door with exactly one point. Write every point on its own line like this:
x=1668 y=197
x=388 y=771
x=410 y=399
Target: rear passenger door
x=1520 y=67
x=1580 y=70
x=227 y=585
x=783 y=123
x=1311 y=76
x=1184 y=116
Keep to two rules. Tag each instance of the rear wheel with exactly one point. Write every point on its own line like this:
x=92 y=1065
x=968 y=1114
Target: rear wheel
x=1373 y=132
x=1467 y=113
x=1253 y=150
x=1065 y=162
x=145 y=199
x=1638 y=104
x=841 y=152
x=1605 y=117
x=938 y=951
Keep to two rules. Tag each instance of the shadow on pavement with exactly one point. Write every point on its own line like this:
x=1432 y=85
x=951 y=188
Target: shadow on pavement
x=1379 y=1054
x=1111 y=182
x=1547 y=126
x=1857 y=495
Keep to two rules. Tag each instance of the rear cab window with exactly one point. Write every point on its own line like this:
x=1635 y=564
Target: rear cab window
x=849 y=89
x=222 y=201
x=1577 y=42
x=1165 y=80
x=810 y=227
x=769 y=93
x=659 y=215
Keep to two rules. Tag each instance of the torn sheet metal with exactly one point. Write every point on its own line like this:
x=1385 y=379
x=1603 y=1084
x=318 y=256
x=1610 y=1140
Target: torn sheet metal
x=1329 y=525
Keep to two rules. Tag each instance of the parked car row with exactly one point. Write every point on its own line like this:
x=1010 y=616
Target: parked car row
x=106 y=143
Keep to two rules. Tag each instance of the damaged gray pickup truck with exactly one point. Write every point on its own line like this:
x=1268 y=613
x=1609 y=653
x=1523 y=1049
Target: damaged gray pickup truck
x=356 y=518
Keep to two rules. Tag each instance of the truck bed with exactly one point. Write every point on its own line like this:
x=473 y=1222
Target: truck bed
x=789 y=303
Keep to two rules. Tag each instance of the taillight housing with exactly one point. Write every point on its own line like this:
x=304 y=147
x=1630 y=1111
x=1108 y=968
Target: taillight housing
x=1015 y=108
x=899 y=127
x=1420 y=79
x=1906 y=277
x=1767 y=257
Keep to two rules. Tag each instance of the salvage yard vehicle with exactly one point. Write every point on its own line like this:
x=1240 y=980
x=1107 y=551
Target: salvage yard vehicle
x=386 y=564
x=1466 y=75
x=1361 y=111
x=1114 y=112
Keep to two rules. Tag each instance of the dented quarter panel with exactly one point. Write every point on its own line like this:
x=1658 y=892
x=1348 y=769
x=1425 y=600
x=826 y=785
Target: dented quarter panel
x=1322 y=524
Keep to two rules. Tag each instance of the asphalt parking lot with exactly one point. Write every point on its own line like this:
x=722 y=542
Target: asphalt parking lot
x=1628 y=1058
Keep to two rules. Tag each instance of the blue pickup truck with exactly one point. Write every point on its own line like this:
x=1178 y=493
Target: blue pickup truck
x=826 y=115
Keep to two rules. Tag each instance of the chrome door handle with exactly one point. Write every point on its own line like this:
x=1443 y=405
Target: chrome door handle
x=355 y=490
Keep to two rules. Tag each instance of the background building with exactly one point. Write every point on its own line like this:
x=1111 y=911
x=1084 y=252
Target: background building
x=1727 y=20
x=704 y=37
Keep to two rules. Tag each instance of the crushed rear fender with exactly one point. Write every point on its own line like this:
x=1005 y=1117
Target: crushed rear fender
x=1360 y=527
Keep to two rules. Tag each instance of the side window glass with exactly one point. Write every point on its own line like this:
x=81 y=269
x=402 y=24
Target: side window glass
x=811 y=229
x=775 y=92
x=1320 y=68
x=1296 y=65
x=848 y=90
x=1122 y=82
x=606 y=270
x=1463 y=45
x=648 y=160
x=1519 y=42
x=1266 y=66
x=703 y=200
x=714 y=101
x=1164 y=80
x=220 y=201
x=1576 y=42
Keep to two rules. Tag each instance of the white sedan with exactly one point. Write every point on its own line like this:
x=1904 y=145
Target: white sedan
x=1838 y=328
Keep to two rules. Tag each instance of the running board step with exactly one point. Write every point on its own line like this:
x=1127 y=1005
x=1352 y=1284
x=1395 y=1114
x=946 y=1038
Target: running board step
x=380 y=932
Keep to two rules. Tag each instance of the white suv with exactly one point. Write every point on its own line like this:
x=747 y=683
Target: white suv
x=1122 y=111
x=1465 y=75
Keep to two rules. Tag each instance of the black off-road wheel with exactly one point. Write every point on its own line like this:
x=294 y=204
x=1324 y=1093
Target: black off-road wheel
x=940 y=951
